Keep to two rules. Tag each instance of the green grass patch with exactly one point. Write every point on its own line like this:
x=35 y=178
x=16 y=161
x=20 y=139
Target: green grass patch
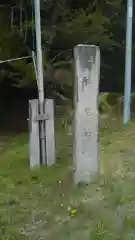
x=45 y=204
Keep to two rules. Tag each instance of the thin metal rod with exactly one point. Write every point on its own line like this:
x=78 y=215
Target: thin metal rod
x=39 y=50
x=128 y=63
x=40 y=76
x=35 y=65
x=14 y=59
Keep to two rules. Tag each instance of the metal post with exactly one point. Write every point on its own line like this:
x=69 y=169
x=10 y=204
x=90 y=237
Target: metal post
x=128 y=63
x=40 y=75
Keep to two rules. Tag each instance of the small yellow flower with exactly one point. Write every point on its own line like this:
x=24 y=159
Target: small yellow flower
x=73 y=212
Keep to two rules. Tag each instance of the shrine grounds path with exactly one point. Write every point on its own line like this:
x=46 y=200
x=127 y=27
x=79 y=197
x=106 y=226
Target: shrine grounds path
x=45 y=204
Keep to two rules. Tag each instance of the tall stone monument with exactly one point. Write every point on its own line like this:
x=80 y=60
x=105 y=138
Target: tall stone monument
x=85 y=146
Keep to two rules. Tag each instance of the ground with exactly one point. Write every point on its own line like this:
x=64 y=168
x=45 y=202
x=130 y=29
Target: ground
x=45 y=204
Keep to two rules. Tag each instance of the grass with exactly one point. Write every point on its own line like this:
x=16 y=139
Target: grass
x=38 y=204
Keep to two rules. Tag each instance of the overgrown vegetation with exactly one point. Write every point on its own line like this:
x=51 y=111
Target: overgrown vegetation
x=99 y=23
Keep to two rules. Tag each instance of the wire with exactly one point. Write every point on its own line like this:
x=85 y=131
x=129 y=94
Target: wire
x=60 y=53
x=26 y=25
x=33 y=25
x=21 y=20
x=21 y=17
x=12 y=17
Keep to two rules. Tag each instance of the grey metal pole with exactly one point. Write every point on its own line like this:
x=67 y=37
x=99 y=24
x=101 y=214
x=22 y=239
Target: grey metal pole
x=40 y=75
x=128 y=63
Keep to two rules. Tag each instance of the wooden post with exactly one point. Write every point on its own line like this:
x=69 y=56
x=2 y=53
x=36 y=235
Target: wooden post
x=34 y=142
x=87 y=71
x=50 y=132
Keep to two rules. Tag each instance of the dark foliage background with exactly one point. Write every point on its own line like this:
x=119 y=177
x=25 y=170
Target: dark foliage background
x=65 y=23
